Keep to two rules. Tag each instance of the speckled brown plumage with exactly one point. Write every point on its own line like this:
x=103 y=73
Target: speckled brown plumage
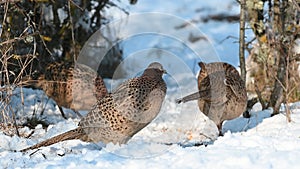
x=122 y=113
x=72 y=86
x=222 y=93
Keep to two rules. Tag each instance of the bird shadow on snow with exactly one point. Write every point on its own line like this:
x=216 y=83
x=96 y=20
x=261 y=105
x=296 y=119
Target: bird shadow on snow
x=243 y=124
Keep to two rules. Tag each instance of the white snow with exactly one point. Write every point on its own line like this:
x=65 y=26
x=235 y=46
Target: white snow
x=259 y=142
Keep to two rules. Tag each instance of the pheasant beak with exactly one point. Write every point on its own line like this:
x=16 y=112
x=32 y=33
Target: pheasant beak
x=164 y=71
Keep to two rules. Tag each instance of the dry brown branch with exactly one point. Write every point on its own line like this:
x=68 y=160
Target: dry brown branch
x=77 y=6
x=72 y=29
x=288 y=112
x=260 y=98
x=5 y=13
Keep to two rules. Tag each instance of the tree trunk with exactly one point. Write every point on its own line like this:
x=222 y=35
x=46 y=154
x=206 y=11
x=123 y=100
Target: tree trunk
x=277 y=96
x=242 y=40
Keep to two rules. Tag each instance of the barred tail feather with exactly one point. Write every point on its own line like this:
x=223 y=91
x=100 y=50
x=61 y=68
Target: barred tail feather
x=205 y=94
x=69 y=135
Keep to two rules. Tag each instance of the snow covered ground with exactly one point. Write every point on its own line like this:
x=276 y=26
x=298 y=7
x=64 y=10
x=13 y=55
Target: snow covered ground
x=168 y=142
x=258 y=142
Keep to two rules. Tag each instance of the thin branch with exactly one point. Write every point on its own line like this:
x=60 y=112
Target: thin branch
x=288 y=112
x=228 y=37
x=296 y=4
x=75 y=5
x=4 y=17
x=276 y=78
x=16 y=39
x=72 y=29
x=32 y=23
x=261 y=100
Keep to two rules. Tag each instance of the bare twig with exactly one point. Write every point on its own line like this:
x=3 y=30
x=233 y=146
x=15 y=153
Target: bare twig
x=261 y=100
x=4 y=17
x=33 y=25
x=228 y=37
x=72 y=29
x=75 y=5
x=9 y=41
x=287 y=108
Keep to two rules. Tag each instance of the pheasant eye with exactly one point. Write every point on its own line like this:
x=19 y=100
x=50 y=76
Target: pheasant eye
x=128 y=102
